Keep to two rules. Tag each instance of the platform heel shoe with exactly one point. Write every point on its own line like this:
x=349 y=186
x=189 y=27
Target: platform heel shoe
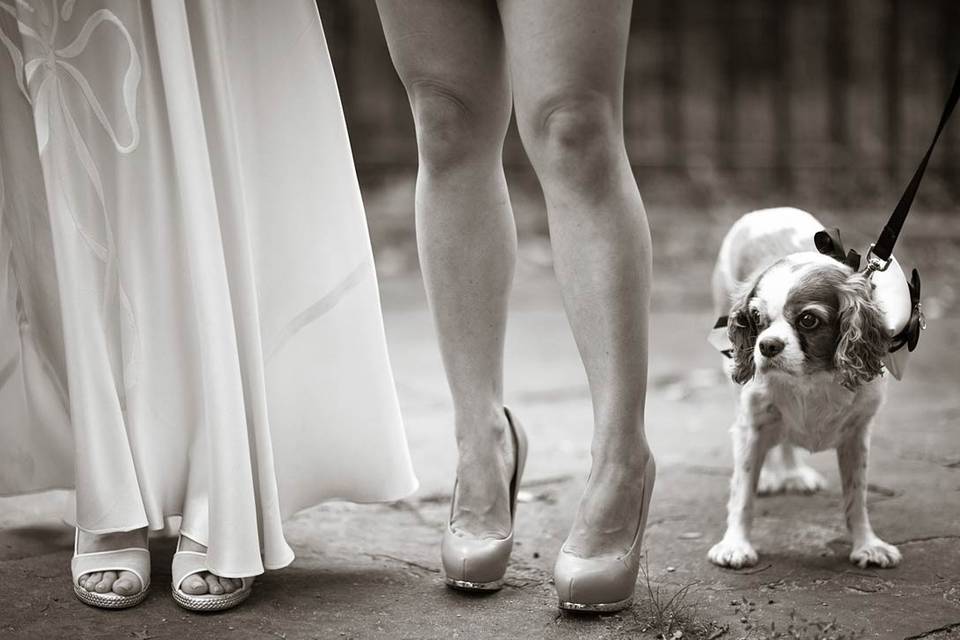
x=604 y=583
x=136 y=560
x=188 y=563
x=478 y=564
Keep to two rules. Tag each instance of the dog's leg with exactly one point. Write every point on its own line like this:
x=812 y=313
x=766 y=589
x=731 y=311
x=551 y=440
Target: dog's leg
x=750 y=445
x=867 y=547
x=785 y=471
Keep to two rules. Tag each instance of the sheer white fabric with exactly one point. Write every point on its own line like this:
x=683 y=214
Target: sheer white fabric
x=189 y=315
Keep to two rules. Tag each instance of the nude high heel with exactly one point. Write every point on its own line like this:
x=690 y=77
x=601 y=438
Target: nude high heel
x=478 y=564
x=603 y=583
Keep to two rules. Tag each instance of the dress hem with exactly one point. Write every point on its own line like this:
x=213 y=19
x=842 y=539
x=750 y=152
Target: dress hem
x=412 y=488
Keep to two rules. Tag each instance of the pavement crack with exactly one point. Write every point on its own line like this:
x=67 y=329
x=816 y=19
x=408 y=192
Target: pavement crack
x=529 y=576
x=926 y=539
x=950 y=626
x=414 y=510
x=523 y=585
x=881 y=490
x=857 y=589
x=434 y=498
x=753 y=571
x=409 y=563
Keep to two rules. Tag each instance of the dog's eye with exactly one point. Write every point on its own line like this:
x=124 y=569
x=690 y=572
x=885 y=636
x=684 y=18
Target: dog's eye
x=808 y=321
x=747 y=319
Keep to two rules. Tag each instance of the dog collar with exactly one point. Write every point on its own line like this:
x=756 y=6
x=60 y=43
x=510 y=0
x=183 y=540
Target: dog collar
x=898 y=298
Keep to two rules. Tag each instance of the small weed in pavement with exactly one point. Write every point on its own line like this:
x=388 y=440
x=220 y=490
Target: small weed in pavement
x=796 y=627
x=671 y=613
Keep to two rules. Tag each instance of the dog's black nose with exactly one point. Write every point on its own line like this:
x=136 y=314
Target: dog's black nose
x=770 y=347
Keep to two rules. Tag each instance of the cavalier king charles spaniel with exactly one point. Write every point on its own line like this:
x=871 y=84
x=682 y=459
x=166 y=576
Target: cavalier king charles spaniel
x=807 y=341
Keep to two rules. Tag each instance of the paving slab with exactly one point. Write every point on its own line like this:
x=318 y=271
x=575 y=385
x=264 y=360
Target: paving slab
x=373 y=571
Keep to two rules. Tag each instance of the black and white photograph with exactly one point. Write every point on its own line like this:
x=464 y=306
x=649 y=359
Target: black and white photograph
x=506 y=319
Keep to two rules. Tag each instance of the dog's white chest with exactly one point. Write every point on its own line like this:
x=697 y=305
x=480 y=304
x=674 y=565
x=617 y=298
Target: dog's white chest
x=814 y=416
x=814 y=430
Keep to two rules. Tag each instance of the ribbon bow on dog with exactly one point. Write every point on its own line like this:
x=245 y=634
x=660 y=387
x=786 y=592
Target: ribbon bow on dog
x=828 y=243
x=911 y=332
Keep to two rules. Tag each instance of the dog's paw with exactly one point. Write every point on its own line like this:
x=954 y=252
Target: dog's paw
x=733 y=553
x=802 y=479
x=875 y=551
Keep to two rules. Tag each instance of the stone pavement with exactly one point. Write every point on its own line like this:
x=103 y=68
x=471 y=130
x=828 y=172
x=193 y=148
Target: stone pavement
x=373 y=571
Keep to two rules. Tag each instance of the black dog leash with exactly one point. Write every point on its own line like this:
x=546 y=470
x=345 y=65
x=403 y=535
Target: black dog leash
x=878 y=258
x=880 y=254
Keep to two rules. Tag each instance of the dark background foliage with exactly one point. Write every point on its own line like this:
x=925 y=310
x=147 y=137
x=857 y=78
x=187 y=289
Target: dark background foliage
x=730 y=106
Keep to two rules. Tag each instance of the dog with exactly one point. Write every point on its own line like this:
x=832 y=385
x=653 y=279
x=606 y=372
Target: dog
x=807 y=340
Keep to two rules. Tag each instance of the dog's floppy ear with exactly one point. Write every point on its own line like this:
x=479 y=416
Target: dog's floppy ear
x=742 y=330
x=863 y=337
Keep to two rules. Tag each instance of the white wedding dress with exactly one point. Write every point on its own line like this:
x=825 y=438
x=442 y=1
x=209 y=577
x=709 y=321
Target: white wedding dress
x=189 y=314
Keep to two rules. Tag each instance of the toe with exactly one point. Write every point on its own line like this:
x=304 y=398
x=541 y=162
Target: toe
x=195 y=585
x=106 y=582
x=237 y=583
x=127 y=584
x=213 y=585
x=228 y=585
x=92 y=580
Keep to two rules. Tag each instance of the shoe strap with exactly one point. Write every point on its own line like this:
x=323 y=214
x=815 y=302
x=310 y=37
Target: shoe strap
x=136 y=560
x=188 y=563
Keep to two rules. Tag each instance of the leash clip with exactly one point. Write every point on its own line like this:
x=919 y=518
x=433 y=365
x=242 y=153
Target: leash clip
x=874 y=263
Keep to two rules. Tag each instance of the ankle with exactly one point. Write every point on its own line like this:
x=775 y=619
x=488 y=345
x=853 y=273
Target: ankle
x=93 y=542
x=189 y=544
x=630 y=456
x=483 y=429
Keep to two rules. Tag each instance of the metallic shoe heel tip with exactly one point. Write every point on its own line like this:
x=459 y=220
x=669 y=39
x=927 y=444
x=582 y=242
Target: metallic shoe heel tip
x=603 y=607
x=466 y=585
x=489 y=557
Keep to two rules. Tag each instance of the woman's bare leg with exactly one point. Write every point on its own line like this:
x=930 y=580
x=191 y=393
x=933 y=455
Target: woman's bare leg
x=566 y=61
x=450 y=58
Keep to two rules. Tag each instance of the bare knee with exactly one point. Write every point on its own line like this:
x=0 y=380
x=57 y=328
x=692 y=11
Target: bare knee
x=575 y=138
x=451 y=129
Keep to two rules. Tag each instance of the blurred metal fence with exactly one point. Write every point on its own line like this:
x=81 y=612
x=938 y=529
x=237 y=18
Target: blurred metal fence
x=780 y=87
